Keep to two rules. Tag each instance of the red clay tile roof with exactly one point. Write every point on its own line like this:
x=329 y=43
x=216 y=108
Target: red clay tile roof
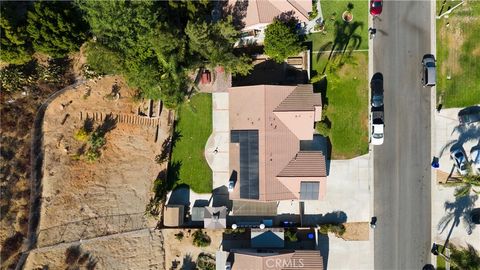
x=252 y=107
x=306 y=164
x=281 y=260
x=301 y=99
x=264 y=11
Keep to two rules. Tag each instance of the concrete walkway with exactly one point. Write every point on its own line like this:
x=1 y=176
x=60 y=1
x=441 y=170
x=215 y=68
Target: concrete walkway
x=311 y=24
x=217 y=147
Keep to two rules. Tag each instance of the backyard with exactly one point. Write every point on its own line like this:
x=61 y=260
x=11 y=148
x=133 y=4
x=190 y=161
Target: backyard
x=458 y=55
x=342 y=76
x=192 y=129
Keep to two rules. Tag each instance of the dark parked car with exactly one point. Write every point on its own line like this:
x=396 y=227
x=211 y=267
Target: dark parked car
x=475 y=216
x=469 y=115
x=376 y=84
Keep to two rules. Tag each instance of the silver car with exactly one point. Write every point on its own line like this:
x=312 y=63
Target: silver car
x=461 y=162
x=429 y=70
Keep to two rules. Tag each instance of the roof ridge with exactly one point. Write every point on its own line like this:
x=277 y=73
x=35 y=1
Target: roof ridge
x=299 y=8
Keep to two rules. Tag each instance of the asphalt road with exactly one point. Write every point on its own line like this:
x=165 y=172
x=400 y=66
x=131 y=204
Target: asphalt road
x=402 y=164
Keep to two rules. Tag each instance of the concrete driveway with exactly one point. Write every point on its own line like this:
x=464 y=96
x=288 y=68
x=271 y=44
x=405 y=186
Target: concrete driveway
x=448 y=134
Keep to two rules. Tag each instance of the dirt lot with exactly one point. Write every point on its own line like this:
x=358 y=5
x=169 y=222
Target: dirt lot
x=184 y=251
x=356 y=231
x=133 y=250
x=82 y=199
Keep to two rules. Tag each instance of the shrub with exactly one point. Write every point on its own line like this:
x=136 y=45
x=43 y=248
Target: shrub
x=201 y=239
x=291 y=236
x=205 y=261
x=235 y=231
x=97 y=141
x=81 y=135
x=337 y=229
x=179 y=236
x=92 y=155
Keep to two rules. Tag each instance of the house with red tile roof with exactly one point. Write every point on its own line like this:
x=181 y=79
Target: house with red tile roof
x=271 y=149
x=260 y=13
x=278 y=260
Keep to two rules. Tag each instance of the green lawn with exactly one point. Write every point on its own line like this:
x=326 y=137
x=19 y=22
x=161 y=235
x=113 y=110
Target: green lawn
x=346 y=90
x=458 y=56
x=332 y=11
x=194 y=126
x=440 y=260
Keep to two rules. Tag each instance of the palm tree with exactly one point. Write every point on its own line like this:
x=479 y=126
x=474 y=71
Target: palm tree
x=468 y=182
x=465 y=259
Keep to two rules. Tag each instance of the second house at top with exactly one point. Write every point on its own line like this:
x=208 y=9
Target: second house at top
x=274 y=154
x=257 y=14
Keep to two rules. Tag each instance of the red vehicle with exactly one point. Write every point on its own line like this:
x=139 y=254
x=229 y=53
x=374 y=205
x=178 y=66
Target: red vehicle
x=376 y=7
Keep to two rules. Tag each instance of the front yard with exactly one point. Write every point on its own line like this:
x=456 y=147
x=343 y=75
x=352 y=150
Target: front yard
x=192 y=129
x=355 y=33
x=344 y=85
x=458 y=55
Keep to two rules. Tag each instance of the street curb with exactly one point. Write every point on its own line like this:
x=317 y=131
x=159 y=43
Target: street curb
x=371 y=176
x=433 y=102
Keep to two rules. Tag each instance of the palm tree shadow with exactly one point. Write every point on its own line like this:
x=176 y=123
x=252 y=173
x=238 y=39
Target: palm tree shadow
x=457 y=211
x=466 y=134
x=345 y=39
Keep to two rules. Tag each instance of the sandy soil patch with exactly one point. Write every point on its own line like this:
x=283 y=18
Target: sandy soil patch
x=356 y=231
x=134 y=250
x=81 y=200
x=184 y=250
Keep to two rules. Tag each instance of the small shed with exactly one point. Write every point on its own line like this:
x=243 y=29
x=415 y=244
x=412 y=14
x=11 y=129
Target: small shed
x=173 y=215
x=215 y=217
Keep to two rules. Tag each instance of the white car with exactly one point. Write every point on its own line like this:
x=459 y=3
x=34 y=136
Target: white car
x=458 y=155
x=475 y=159
x=378 y=127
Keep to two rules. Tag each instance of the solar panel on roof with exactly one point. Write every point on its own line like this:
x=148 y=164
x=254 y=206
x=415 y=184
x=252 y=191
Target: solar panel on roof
x=249 y=178
x=309 y=190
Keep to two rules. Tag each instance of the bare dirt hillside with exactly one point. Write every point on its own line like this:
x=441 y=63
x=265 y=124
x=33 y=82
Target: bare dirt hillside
x=133 y=250
x=82 y=199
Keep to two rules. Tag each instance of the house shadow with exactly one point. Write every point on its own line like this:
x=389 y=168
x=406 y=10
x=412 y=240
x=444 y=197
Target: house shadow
x=220 y=197
x=273 y=73
x=180 y=195
x=336 y=217
x=324 y=247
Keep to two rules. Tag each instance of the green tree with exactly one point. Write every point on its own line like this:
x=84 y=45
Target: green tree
x=214 y=42
x=16 y=47
x=465 y=259
x=282 y=40
x=56 y=28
